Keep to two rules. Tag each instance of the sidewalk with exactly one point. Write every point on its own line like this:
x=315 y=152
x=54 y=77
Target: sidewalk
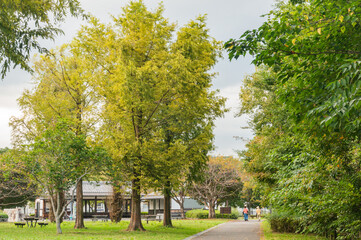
x=239 y=230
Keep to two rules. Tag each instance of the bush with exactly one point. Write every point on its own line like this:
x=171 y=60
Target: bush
x=197 y=213
x=203 y=214
x=3 y=215
x=285 y=223
x=144 y=213
x=228 y=216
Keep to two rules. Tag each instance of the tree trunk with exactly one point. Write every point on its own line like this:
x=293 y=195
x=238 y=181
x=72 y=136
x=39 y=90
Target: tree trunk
x=167 y=218
x=179 y=198
x=51 y=212
x=58 y=211
x=58 y=227
x=62 y=200
x=135 y=214
x=183 y=216
x=79 y=221
x=212 y=212
x=116 y=206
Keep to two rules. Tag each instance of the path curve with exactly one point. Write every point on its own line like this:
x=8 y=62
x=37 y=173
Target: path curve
x=234 y=230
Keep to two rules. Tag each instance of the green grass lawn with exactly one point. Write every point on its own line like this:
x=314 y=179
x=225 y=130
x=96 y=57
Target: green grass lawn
x=108 y=230
x=269 y=235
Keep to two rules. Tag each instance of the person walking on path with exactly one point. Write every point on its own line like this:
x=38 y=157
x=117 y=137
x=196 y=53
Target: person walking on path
x=258 y=213
x=245 y=213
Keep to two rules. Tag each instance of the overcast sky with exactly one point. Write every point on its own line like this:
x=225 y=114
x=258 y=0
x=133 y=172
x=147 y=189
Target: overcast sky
x=226 y=19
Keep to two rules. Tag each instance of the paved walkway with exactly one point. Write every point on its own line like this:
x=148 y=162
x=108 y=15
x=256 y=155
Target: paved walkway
x=239 y=230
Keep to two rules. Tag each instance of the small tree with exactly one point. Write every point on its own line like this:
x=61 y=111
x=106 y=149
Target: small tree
x=61 y=90
x=179 y=196
x=221 y=180
x=51 y=162
x=15 y=189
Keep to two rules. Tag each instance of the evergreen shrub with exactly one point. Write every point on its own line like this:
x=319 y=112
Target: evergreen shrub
x=203 y=214
x=285 y=223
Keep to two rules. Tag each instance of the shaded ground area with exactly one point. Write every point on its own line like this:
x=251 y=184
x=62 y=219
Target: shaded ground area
x=239 y=230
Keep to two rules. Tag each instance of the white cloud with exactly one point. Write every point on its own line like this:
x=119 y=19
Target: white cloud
x=229 y=131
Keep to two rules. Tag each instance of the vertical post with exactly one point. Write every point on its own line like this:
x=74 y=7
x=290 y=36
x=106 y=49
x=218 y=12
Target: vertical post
x=96 y=204
x=44 y=208
x=155 y=206
x=105 y=206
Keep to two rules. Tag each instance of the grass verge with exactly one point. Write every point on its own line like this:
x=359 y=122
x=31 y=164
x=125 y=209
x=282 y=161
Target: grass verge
x=269 y=235
x=108 y=230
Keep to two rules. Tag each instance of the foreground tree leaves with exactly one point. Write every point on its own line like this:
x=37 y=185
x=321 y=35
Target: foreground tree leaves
x=308 y=154
x=314 y=179
x=314 y=49
x=24 y=22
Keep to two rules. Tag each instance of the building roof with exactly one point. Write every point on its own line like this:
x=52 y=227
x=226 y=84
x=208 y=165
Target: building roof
x=104 y=189
x=92 y=188
x=152 y=195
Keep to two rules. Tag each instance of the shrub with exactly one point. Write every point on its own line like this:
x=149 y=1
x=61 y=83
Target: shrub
x=203 y=214
x=144 y=213
x=285 y=223
x=228 y=216
x=3 y=215
x=197 y=213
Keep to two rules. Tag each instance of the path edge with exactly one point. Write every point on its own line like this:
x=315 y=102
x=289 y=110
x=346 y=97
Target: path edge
x=203 y=232
x=261 y=231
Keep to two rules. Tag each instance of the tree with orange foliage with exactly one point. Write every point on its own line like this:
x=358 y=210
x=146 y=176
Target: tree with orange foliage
x=221 y=180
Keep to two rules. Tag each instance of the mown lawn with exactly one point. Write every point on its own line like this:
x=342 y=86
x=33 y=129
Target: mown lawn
x=108 y=230
x=269 y=235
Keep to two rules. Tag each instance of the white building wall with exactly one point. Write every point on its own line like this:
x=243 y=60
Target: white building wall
x=174 y=205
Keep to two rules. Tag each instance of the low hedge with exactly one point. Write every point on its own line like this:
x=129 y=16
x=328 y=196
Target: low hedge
x=285 y=223
x=228 y=216
x=3 y=215
x=203 y=214
x=197 y=213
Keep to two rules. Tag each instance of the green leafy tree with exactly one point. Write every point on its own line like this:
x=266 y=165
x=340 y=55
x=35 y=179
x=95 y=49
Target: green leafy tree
x=145 y=79
x=314 y=49
x=187 y=120
x=15 y=190
x=24 y=22
x=312 y=177
x=51 y=161
x=62 y=90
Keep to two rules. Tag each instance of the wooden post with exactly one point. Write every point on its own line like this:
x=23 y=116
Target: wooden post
x=155 y=206
x=95 y=202
x=44 y=207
